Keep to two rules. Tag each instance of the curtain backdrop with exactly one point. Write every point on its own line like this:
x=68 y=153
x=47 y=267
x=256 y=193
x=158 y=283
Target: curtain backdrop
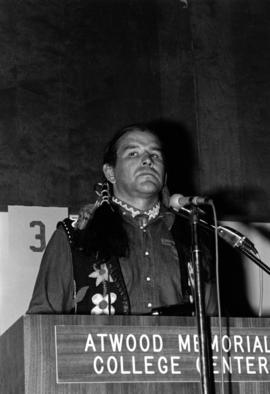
x=73 y=72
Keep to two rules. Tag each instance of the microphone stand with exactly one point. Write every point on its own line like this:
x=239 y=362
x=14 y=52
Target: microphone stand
x=232 y=237
x=205 y=365
x=236 y=240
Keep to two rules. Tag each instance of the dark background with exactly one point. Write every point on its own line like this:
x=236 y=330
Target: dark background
x=74 y=71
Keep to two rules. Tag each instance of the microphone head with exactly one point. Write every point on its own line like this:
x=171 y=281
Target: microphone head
x=175 y=201
x=178 y=201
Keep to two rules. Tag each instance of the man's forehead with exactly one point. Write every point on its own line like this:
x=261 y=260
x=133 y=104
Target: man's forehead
x=138 y=137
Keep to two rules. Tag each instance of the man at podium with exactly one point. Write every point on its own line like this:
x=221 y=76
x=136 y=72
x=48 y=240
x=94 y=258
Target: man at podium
x=129 y=253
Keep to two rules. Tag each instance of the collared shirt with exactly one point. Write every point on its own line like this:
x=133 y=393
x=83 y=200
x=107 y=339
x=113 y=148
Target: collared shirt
x=151 y=270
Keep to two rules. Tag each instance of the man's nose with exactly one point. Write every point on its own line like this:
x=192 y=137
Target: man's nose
x=147 y=160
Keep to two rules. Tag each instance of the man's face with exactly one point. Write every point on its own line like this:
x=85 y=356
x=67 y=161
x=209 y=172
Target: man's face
x=139 y=170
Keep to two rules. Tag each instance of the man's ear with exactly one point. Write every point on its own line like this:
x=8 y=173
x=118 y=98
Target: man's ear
x=108 y=171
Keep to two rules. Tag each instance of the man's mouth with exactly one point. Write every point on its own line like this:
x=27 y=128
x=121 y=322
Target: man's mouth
x=148 y=173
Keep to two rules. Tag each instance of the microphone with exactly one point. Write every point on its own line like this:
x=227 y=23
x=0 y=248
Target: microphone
x=235 y=238
x=228 y=234
x=178 y=201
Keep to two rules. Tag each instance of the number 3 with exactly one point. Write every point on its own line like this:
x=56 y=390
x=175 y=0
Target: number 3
x=40 y=236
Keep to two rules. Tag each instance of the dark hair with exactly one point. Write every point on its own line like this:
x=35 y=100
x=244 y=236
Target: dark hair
x=104 y=235
x=110 y=153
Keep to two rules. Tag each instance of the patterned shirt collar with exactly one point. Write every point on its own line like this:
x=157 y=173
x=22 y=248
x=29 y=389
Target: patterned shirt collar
x=151 y=213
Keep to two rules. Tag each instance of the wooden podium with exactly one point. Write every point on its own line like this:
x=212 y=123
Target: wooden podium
x=133 y=354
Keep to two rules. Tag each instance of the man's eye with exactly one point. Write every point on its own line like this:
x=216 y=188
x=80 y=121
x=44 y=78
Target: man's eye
x=133 y=153
x=157 y=156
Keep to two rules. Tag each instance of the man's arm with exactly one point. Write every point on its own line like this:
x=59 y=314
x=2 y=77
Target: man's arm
x=53 y=290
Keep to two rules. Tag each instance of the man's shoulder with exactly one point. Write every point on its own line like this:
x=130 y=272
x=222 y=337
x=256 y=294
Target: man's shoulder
x=67 y=226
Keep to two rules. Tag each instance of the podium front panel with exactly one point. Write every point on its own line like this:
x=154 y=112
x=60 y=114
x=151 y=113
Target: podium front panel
x=131 y=354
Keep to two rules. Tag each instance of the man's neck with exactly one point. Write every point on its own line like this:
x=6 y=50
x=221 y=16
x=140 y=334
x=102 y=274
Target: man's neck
x=148 y=214
x=140 y=203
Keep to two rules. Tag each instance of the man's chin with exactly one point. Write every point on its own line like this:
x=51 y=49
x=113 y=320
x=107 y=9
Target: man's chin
x=150 y=188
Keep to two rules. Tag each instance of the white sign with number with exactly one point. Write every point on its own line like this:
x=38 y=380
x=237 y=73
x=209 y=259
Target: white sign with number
x=24 y=232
